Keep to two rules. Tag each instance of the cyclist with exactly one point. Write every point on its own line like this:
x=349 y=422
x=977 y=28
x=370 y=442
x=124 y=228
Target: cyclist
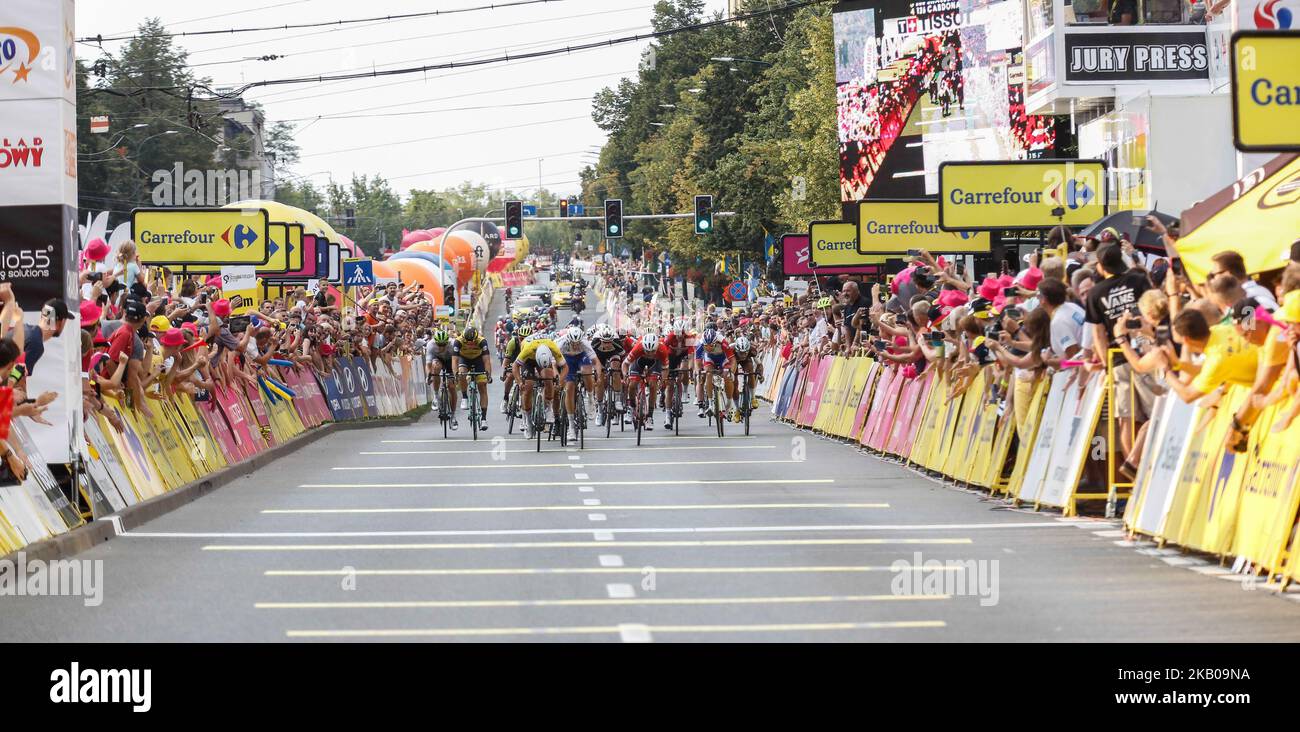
x=649 y=355
x=679 y=342
x=579 y=357
x=437 y=358
x=610 y=350
x=713 y=354
x=537 y=359
x=470 y=353
x=745 y=362
x=509 y=352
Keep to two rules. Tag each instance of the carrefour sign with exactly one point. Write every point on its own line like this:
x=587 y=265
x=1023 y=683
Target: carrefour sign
x=897 y=226
x=1020 y=194
x=201 y=236
x=835 y=244
x=1266 y=91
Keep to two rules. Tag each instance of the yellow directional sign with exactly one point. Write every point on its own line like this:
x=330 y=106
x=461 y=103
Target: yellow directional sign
x=1266 y=91
x=835 y=244
x=1020 y=194
x=893 y=227
x=200 y=236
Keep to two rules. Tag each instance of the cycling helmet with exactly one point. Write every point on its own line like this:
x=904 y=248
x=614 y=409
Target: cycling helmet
x=605 y=333
x=574 y=332
x=742 y=345
x=650 y=342
x=545 y=358
x=679 y=328
x=710 y=336
x=442 y=338
x=470 y=334
x=524 y=330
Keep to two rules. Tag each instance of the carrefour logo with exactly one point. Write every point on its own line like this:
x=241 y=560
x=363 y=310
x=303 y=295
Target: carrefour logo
x=1268 y=16
x=1076 y=194
x=243 y=236
x=18 y=50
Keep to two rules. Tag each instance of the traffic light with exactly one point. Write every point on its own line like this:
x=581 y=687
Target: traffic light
x=704 y=214
x=613 y=218
x=514 y=219
x=564 y=208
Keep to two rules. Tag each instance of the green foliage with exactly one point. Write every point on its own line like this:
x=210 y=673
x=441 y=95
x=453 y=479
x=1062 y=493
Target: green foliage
x=759 y=134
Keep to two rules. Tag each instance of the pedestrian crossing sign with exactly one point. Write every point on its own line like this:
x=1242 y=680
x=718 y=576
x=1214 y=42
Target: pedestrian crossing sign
x=358 y=273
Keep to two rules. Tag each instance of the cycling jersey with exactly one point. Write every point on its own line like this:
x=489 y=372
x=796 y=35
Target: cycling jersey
x=436 y=352
x=470 y=350
x=528 y=353
x=718 y=353
x=640 y=360
x=578 y=347
x=511 y=351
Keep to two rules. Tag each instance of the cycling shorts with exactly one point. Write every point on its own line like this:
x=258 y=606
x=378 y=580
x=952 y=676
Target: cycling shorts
x=575 y=363
x=653 y=365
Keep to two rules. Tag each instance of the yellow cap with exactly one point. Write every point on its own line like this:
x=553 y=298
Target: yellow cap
x=1290 y=311
x=160 y=324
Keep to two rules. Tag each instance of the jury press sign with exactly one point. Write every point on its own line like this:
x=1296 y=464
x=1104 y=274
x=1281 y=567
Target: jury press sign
x=1266 y=91
x=1140 y=55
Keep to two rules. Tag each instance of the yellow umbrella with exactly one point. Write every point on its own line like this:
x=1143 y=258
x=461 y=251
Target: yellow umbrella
x=1260 y=223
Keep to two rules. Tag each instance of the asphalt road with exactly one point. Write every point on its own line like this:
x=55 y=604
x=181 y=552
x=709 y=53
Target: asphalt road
x=395 y=533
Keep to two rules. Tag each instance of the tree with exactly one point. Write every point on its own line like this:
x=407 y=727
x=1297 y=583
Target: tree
x=146 y=83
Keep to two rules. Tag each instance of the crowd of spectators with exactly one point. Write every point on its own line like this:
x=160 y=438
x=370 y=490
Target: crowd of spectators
x=147 y=333
x=1074 y=305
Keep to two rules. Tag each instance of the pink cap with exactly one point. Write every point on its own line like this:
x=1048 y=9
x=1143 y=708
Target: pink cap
x=90 y=312
x=1031 y=277
x=953 y=298
x=221 y=308
x=989 y=288
x=213 y=281
x=96 y=250
x=173 y=338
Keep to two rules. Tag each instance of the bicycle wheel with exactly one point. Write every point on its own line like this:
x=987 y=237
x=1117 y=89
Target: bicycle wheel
x=443 y=408
x=538 y=416
x=607 y=407
x=474 y=415
x=580 y=415
x=638 y=415
x=512 y=403
x=677 y=407
x=718 y=406
x=747 y=405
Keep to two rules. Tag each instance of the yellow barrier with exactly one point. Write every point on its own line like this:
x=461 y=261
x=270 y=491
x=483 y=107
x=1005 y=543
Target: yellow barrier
x=1242 y=505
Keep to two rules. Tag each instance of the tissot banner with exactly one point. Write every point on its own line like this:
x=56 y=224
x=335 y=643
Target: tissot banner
x=1135 y=56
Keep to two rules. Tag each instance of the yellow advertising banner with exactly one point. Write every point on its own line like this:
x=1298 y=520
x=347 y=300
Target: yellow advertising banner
x=1266 y=91
x=1020 y=194
x=897 y=226
x=835 y=244
x=201 y=236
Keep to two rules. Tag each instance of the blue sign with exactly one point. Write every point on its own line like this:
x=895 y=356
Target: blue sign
x=530 y=210
x=358 y=273
x=577 y=209
x=738 y=290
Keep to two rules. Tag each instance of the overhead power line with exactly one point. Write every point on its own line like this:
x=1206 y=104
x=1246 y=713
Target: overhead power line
x=323 y=23
x=608 y=43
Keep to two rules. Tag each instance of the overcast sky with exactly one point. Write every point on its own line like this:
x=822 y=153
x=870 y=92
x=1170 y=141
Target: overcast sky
x=499 y=146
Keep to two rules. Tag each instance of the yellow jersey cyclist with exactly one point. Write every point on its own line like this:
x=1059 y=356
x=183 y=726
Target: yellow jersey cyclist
x=510 y=352
x=437 y=359
x=538 y=359
x=470 y=353
x=580 y=358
